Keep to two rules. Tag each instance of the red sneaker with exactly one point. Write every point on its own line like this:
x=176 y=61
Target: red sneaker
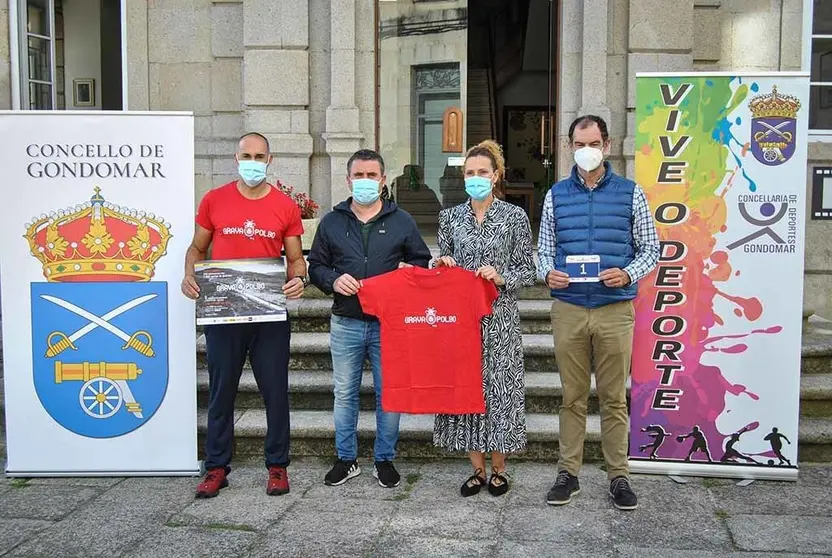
x=211 y=484
x=278 y=481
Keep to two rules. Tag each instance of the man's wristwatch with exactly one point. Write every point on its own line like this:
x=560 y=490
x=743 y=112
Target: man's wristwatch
x=305 y=280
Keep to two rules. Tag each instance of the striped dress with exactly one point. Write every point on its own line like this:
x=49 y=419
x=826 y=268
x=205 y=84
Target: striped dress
x=503 y=240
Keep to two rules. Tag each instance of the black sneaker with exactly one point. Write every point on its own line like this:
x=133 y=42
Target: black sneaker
x=566 y=485
x=387 y=475
x=623 y=496
x=341 y=472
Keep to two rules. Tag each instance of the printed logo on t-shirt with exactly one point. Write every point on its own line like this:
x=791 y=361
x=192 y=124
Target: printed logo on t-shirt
x=431 y=318
x=249 y=230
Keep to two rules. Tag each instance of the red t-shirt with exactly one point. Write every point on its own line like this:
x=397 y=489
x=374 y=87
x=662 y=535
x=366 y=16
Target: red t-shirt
x=244 y=228
x=431 y=339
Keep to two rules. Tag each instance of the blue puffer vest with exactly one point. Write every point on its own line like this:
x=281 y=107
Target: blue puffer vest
x=594 y=222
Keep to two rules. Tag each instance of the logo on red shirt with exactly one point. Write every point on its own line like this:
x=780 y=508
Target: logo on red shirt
x=249 y=230
x=431 y=318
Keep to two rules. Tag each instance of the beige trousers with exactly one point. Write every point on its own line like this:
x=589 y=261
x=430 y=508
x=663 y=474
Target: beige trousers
x=607 y=334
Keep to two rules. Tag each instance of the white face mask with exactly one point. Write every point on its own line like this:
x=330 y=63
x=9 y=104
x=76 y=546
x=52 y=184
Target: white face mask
x=589 y=158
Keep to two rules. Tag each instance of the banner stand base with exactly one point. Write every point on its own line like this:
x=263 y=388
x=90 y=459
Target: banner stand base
x=66 y=474
x=715 y=470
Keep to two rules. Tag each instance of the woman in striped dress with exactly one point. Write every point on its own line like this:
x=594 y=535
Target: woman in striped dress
x=494 y=239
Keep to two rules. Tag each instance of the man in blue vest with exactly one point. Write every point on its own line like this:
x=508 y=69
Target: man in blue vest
x=597 y=239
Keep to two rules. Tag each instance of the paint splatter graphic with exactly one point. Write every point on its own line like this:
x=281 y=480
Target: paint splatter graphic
x=716 y=164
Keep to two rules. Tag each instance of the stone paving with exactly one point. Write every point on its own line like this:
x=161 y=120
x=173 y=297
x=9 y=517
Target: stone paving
x=423 y=517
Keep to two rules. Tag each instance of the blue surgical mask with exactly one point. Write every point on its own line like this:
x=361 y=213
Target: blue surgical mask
x=478 y=187
x=253 y=173
x=365 y=191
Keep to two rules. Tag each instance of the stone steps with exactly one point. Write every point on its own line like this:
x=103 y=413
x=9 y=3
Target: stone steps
x=312 y=390
x=312 y=434
x=310 y=384
x=310 y=351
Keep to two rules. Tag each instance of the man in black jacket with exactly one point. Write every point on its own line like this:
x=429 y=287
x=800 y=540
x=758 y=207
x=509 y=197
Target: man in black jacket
x=362 y=237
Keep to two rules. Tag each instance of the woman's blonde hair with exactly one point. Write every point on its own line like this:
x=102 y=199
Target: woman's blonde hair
x=492 y=150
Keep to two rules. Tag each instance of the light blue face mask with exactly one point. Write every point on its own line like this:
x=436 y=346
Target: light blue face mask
x=253 y=173
x=478 y=187
x=365 y=191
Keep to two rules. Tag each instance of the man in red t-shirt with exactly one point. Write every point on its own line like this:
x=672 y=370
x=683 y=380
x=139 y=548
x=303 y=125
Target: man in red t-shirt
x=244 y=219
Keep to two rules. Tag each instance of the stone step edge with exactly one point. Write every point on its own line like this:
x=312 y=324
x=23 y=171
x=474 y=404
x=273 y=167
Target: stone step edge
x=540 y=427
x=530 y=308
x=534 y=292
x=534 y=344
x=322 y=308
x=814 y=387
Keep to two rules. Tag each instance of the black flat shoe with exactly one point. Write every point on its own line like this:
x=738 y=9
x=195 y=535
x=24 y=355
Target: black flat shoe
x=473 y=484
x=498 y=489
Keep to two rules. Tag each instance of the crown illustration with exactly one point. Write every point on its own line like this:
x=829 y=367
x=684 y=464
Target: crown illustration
x=98 y=241
x=774 y=105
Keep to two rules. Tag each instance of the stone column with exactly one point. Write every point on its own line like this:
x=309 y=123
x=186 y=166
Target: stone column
x=170 y=68
x=594 y=59
x=343 y=133
x=138 y=92
x=5 y=62
x=661 y=40
x=275 y=83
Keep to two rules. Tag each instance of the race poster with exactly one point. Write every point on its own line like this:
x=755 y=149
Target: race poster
x=240 y=291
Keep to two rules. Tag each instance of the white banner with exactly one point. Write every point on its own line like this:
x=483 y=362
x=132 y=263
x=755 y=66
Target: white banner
x=97 y=213
x=716 y=362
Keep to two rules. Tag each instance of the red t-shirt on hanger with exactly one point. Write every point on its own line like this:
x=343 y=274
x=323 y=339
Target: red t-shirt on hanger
x=431 y=338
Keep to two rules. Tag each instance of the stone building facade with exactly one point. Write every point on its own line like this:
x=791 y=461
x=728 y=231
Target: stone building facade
x=323 y=78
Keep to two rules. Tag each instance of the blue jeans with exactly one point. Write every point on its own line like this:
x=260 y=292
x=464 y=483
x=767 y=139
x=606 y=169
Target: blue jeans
x=351 y=341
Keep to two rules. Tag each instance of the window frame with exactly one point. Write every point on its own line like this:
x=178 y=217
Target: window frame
x=418 y=98
x=818 y=134
x=18 y=54
x=23 y=59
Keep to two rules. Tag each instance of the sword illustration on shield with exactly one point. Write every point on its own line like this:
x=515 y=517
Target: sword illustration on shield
x=787 y=137
x=102 y=321
x=132 y=341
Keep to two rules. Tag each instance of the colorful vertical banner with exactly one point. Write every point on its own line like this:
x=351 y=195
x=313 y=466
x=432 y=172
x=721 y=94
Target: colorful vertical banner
x=99 y=344
x=717 y=349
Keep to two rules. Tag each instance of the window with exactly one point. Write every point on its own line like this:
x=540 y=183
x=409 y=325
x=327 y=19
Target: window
x=68 y=55
x=820 y=65
x=38 y=43
x=436 y=88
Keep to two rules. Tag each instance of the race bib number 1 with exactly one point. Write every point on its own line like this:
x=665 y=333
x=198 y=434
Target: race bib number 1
x=583 y=269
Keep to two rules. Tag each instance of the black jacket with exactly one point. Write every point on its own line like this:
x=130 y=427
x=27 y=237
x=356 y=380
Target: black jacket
x=338 y=248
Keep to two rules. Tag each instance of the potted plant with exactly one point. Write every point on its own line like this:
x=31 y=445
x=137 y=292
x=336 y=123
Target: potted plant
x=308 y=209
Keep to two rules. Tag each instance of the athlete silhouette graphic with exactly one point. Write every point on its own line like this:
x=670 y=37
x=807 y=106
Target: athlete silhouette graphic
x=699 y=443
x=775 y=439
x=730 y=453
x=658 y=434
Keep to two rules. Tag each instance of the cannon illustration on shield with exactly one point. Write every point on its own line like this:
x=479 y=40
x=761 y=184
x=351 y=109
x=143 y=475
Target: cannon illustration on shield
x=105 y=389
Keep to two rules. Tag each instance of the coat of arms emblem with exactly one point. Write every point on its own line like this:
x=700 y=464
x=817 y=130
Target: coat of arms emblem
x=773 y=127
x=99 y=322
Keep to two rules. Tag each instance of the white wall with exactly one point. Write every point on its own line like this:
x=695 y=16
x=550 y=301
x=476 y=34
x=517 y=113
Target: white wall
x=82 y=47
